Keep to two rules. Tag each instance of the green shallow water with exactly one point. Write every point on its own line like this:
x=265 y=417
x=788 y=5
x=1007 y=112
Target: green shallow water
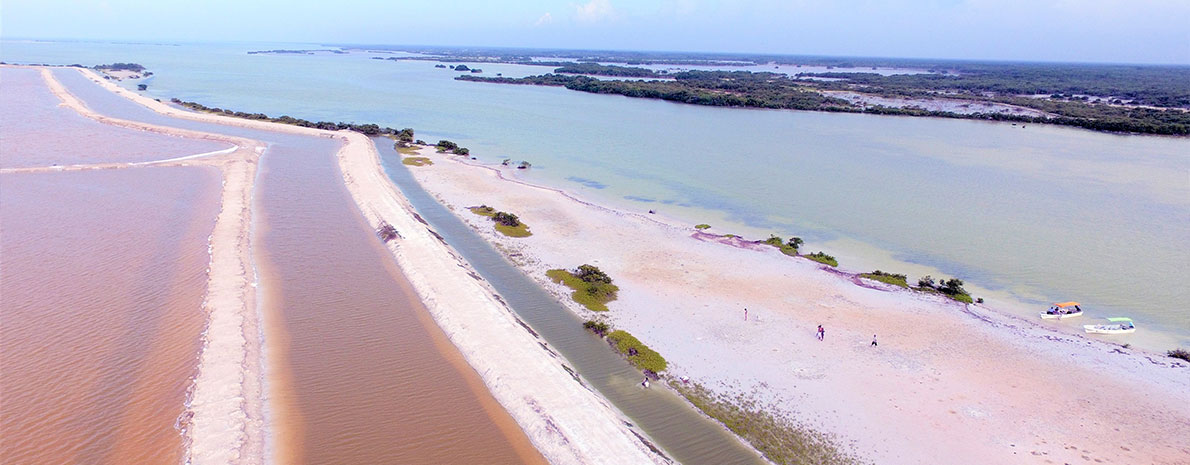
x=1024 y=215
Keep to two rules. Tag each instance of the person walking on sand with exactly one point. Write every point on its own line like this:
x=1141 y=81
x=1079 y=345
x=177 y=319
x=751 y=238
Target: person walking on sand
x=821 y=333
x=745 y=313
x=873 y=340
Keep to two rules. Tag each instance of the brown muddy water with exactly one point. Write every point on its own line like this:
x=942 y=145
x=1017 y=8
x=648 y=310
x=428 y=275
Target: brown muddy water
x=102 y=276
x=36 y=131
x=359 y=372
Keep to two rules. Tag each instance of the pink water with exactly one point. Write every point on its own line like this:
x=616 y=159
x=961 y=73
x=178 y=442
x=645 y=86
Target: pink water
x=36 y=131
x=102 y=275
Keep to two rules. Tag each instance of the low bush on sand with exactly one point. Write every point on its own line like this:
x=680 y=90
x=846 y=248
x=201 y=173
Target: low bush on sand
x=640 y=355
x=823 y=258
x=598 y=327
x=507 y=224
x=592 y=287
x=887 y=278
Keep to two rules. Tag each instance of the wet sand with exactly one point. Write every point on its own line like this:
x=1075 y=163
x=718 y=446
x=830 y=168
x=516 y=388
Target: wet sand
x=103 y=276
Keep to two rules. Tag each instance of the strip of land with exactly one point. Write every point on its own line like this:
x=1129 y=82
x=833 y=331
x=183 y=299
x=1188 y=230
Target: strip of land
x=224 y=411
x=567 y=422
x=946 y=383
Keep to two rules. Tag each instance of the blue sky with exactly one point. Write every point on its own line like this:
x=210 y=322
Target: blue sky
x=1137 y=31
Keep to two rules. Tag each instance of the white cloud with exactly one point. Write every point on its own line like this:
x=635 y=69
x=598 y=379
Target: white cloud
x=544 y=19
x=594 y=11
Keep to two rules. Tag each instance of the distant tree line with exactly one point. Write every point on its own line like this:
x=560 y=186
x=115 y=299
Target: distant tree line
x=597 y=69
x=136 y=68
x=779 y=91
x=366 y=129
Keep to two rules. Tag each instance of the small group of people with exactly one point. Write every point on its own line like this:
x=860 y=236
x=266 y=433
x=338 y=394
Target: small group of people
x=821 y=334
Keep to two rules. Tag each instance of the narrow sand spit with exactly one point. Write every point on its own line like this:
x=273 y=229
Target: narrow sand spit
x=566 y=421
x=948 y=383
x=223 y=421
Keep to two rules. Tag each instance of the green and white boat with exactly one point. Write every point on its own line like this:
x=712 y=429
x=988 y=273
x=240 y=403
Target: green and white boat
x=1117 y=325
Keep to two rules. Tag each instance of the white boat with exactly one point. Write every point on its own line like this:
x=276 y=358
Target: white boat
x=1118 y=325
x=1062 y=310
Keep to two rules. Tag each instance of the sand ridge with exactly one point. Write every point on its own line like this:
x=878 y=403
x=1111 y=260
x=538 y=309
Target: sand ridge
x=568 y=423
x=976 y=384
x=222 y=423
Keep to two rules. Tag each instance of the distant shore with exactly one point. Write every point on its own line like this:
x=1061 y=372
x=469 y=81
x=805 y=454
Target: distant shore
x=981 y=385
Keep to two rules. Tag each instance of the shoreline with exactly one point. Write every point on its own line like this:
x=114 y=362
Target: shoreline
x=855 y=257
x=225 y=352
x=566 y=421
x=662 y=268
x=538 y=393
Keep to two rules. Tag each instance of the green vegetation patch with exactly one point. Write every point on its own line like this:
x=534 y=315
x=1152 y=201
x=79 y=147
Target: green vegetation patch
x=592 y=287
x=444 y=146
x=520 y=230
x=780 y=440
x=507 y=224
x=417 y=161
x=598 y=327
x=787 y=248
x=952 y=288
x=1129 y=89
x=1179 y=353
x=408 y=150
x=640 y=355
x=483 y=210
x=823 y=258
x=887 y=278
x=702 y=226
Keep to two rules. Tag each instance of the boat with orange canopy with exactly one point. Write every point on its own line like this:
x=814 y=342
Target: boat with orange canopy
x=1062 y=310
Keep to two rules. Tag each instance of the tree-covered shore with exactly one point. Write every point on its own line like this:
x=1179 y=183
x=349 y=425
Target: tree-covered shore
x=1154 y=105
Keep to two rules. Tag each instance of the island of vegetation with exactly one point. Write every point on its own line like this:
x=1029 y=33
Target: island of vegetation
x=445 y=146
x=134 y=67
x=1149 y=100
x=507 y=224
x=296 y=52
x=592 y=287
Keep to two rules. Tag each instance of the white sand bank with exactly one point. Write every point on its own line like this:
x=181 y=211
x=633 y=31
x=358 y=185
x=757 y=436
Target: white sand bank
x=948 y=383
x=567 y=422
x=223 y=419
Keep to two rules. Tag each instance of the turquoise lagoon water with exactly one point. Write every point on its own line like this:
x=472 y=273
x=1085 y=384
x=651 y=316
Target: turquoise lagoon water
x=1026 y=215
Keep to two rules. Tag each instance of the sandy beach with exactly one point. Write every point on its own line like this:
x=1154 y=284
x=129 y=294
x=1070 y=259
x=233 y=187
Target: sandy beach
x=222 y=424
x=566 y=421
x=975 y=384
